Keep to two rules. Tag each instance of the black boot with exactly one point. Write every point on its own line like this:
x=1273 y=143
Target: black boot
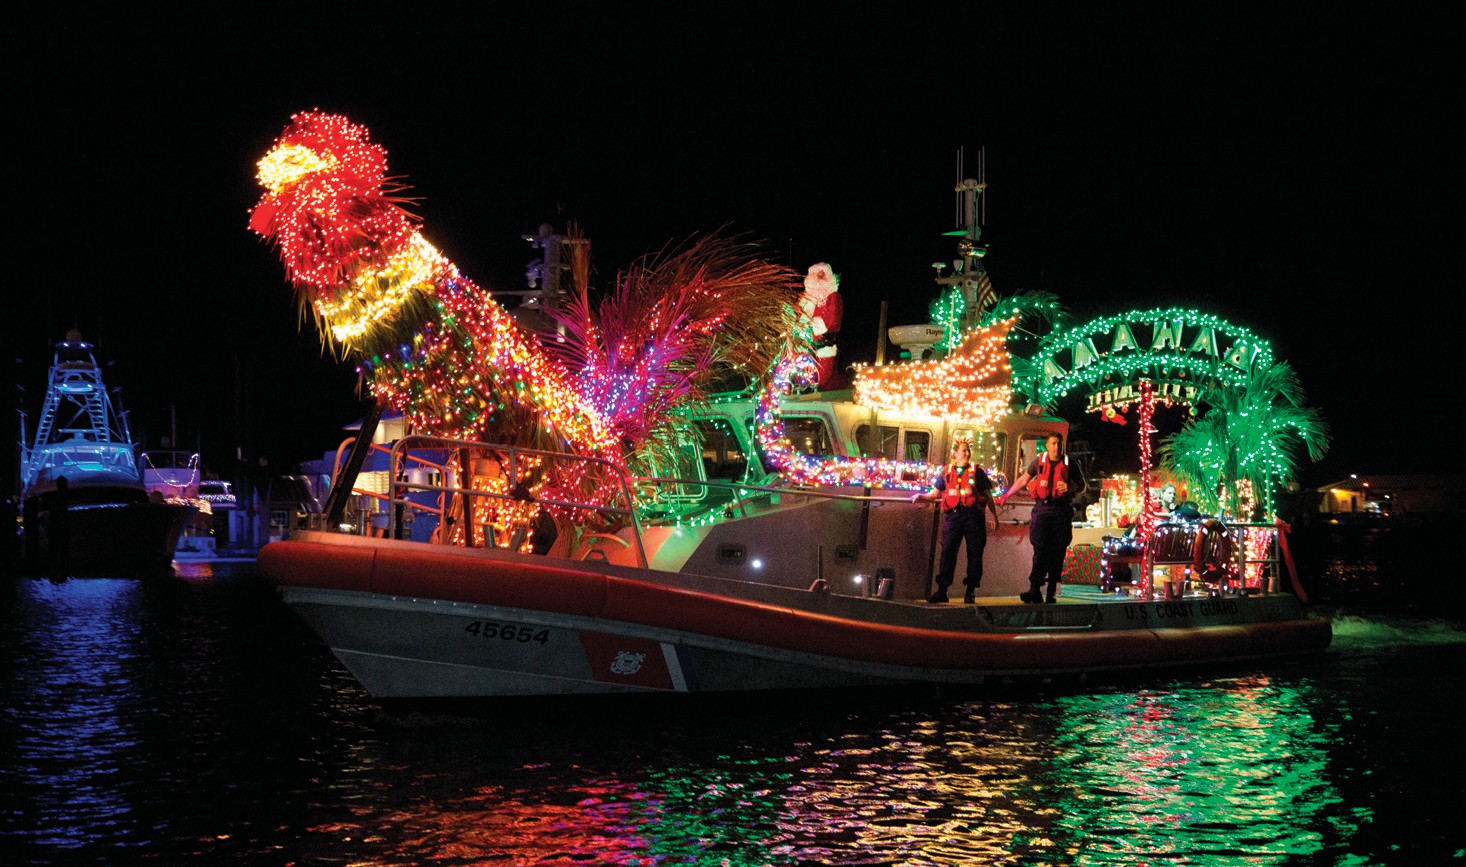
x=1031 y=597
x=967 y=597
x=938 y=597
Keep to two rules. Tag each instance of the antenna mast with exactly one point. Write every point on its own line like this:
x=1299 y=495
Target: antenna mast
x=976 y=290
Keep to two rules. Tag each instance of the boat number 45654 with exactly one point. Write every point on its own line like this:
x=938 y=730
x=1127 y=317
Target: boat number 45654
x=508 y=632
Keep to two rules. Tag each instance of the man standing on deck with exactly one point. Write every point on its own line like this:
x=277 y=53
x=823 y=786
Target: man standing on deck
x=964 y=490
x=1051 y=526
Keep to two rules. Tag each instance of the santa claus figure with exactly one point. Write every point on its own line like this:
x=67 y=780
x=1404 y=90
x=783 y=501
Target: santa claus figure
x=822 y=305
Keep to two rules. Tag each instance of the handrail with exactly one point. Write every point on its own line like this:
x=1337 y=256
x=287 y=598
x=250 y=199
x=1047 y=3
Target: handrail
x=739 y=488
x=421 y=507
x=803 y=492
x=1276 y=545
x=341 y=452
x=363 y=492
x=401 y=450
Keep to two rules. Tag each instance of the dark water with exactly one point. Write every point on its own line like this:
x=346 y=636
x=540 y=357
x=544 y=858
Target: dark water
x=193 y=720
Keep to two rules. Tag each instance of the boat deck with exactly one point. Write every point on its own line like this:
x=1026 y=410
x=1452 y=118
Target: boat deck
x=1071 y=594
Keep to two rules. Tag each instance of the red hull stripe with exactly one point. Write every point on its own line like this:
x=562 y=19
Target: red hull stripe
x=534 y=587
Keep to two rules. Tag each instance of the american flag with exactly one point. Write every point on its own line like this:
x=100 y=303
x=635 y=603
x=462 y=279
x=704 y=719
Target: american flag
x=985 y=296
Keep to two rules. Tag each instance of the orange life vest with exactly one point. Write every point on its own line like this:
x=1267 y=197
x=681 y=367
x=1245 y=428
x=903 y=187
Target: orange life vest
x=960 y=487
x=1041 y=486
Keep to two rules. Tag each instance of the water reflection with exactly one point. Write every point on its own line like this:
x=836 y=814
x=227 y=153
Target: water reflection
x=71 y=706
x=1229 y=770
x=196 y=719
x=198 y=569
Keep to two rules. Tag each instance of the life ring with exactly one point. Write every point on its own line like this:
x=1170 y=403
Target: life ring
x=1211 y=551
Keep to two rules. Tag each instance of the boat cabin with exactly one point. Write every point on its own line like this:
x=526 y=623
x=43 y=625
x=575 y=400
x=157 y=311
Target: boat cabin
x=830 y=423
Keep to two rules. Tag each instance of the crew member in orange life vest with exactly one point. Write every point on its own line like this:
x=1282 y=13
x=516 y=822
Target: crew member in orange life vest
x=1051 y=526
x=964 y=490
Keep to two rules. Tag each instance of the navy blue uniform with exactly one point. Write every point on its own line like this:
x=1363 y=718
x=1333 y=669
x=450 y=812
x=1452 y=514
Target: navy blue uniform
x=1050 y=527
x=965 y=494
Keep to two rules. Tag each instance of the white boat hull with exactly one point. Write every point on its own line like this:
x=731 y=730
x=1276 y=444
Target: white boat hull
x=465 y=624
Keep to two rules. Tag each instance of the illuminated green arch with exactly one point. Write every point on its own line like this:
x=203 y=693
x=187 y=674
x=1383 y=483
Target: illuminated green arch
x=1181 y=350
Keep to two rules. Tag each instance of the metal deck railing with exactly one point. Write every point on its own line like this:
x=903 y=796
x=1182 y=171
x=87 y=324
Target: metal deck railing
x=1227 y=548
x=627 y=504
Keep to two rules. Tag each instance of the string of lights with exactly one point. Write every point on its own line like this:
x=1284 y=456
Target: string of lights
x=798 y=371
x=1184 y=344
x=972 y=385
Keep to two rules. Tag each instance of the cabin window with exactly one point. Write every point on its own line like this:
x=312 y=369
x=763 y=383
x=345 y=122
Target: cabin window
x=918 y=445
x=685 y=462
x=987 y=448
x=723 y=457
x=1030 y=447
x=719 y=457
x=882 y=441
x=808 y=435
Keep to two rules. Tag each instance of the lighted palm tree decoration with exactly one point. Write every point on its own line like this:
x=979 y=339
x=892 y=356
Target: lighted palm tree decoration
x=1235 y=455
x=1039 y=315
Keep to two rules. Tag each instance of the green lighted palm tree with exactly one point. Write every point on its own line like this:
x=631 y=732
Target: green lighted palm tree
x=1249 y=434
x=1039 y=315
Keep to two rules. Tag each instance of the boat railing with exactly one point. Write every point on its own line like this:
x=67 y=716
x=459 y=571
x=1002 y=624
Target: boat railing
x=418 y=461
x=84 y=457
x=741 y=490
x=386 y=500
x=1252 y=552
x=514 y=457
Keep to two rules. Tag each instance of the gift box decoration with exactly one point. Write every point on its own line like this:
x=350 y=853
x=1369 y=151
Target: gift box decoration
x=1082 y=564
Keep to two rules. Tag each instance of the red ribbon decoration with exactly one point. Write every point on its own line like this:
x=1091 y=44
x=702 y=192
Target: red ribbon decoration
x=1283 y=530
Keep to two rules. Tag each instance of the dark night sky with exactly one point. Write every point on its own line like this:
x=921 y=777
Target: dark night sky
x=1295 y=177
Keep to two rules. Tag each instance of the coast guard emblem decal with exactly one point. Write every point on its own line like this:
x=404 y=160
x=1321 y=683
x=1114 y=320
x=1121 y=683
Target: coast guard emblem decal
x=636 y=662
x=627 y=662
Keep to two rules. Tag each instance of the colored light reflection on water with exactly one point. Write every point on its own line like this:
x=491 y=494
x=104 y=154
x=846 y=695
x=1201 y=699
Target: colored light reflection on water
x=1230 y=770
x=195 y=720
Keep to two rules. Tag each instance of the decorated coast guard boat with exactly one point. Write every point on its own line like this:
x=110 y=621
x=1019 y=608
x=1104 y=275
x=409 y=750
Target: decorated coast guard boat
x=578 y=510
